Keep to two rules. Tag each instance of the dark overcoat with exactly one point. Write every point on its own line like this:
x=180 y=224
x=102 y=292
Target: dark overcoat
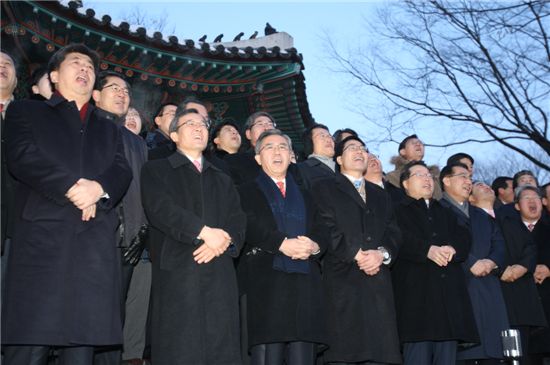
x=360 y=308
x=540 y=339
x=195 y=318
x=485 y=292
x=313 y=170
x=432 y=301
x=521 y=296
x=63 y=280
x=242 y=166
x=282 y=307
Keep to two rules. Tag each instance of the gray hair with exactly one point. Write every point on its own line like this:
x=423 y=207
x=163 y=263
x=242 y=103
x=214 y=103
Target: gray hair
x=252 y=118
x=180 y=113
x=521 y=189
x=271 y=132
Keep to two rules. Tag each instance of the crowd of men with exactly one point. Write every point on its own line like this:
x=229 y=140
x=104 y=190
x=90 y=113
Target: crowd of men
x=203 y=244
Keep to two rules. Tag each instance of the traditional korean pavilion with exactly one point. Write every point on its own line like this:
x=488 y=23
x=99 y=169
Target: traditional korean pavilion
x=235 y=78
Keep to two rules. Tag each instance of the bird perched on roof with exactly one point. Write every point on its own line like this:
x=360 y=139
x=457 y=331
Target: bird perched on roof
x=238 y=37
x=218 y=38
x=203 y=38
x=269 y=29
x=254 y=35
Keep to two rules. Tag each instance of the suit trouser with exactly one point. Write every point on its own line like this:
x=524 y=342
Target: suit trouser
x=38 y=355
x=137 y=306
x=429 y=352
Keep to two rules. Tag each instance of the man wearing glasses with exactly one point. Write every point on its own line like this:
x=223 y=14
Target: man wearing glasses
x=487 y=254
x=112 y=97
x=242 y=166
x=364 y=241
x=433 y=308
x=196 y=230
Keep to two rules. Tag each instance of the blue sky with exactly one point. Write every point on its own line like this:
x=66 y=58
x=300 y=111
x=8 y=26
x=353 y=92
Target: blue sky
x=330 y=97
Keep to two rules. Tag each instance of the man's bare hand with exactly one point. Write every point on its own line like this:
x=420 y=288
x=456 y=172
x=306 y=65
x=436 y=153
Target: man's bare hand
x=204 y=254
x=89 y=213
x=84 y=193
x=370 y=261
x=297 y=249
x=440 y=255
x=217 y=239
x=541 y=273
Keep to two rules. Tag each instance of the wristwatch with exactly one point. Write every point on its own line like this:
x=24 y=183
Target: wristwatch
x=386 y=257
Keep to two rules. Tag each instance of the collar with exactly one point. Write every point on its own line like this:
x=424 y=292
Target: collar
x=328 y=161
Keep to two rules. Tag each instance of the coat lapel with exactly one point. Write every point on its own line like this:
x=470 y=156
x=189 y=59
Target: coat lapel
x=347 y=187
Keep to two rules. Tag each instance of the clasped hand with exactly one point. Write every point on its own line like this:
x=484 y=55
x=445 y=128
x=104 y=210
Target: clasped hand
x=541 y=273
x=441 y=255
x=482 y=267
x=299 y=248
x=84 y=194
x=512 y=273
x=216 y=242
x=369 y=261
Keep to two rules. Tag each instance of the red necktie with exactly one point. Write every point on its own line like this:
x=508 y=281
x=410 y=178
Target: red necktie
x=197 y=165
x=1 y=107
x=530 y=227
x=281 y=186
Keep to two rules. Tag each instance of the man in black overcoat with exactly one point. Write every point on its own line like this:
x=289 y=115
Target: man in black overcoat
x=282 y=273
x=364 y=241
x=434 y=313
x=64 y=273
x=319 y=152
x=487 y=254
x=196 y=230
x=525 y=309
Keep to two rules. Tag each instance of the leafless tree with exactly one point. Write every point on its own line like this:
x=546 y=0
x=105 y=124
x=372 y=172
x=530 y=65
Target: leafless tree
x=137 y=16
x=479 y=71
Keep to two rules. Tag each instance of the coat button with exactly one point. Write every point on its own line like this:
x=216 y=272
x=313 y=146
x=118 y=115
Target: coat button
x=430 y=219
x=367 y=211
x=443 y=276
x=434 y=234
x=369 y=238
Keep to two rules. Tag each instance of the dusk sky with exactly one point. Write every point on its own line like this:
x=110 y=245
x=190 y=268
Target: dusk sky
x=331 y=99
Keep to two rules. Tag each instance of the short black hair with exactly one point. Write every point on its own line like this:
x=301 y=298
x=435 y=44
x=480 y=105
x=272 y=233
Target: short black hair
x=404 y=141
x=459 y=156
x=59 y=56
x=448 y=171
x=102 y=79
x=160 y=109
x=307 y=138
x=338 y=134
x=37 y=75
x=500 y=183
x=406 y=172
x=521 y=173
x=339 y=148
x=215 y=132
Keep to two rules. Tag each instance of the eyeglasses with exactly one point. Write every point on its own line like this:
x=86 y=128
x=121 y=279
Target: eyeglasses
x=270 y=147
x=117 y=89
x=462 y=175
x=422 y=175
x=264 y=125
x=193 y=124
x=356 y=148
x=530 y=198
x=322 y=136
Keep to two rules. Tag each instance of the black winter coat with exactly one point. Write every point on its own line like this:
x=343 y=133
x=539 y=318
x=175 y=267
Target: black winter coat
x=540 y=339
x=195 y=317
x=521 y=296
x=432 y=301
x=281 y=306
x=63 y=280
x=360 y=308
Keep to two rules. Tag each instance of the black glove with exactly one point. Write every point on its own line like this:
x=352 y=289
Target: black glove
x=133 y=253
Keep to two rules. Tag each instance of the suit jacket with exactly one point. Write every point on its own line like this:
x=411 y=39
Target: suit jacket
x=281 y=306
x=540 y=340
x=432 y=301
x=63 y=274
x=360 y=308
x=195 y=316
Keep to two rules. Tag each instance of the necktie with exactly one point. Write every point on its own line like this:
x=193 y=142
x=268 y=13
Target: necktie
x=1 y=107
x=197 y=165
x=357 y=184
x=530 y=227
x=281 y=186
